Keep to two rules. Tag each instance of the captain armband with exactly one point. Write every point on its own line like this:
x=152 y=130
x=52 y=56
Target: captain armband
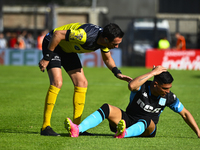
x=115 y=71
x=48 y=54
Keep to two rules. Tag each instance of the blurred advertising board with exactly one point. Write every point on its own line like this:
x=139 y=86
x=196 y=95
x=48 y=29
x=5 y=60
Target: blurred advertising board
x=171 y=59
x=33 y=56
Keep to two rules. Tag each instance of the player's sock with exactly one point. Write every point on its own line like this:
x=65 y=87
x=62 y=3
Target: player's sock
x=49 y=105
x=79 y=102
x=136 y=129
x=95 y=118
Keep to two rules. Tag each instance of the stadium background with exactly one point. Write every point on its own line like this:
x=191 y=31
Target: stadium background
x=38 y=15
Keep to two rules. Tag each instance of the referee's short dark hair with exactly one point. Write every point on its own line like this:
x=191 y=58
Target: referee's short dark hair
x=111 y=31
x=164 y=78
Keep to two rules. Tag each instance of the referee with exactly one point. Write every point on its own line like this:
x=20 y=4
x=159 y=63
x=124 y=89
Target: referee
x=60 y=48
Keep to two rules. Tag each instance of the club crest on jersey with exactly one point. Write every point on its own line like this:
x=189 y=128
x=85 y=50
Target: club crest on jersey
x=76 y=47
x=162 y=101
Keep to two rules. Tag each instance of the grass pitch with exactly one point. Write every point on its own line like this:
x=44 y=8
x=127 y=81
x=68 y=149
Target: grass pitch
x=23 y=90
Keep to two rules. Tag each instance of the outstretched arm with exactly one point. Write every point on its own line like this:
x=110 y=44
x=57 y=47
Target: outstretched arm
x=187 y=116
x=135 y=84
x=110 y=63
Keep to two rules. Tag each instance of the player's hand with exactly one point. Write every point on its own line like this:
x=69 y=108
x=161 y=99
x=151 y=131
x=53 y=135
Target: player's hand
x=158 y=70
x=43 y=64
x=124 y=77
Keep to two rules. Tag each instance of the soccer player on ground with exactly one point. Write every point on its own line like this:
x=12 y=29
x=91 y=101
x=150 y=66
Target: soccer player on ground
x=60 y=48
x=147 y=100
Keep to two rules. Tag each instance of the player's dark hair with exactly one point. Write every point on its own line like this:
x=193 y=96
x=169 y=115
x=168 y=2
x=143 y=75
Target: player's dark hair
x=112 y=31
x=164 y=78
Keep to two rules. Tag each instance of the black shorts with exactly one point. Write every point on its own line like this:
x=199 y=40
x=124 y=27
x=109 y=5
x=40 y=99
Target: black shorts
x=130 y=121
x=69 y=61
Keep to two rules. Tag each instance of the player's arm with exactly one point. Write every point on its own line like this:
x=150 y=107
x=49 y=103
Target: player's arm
x=135 y=84
x=110 y=63
x=108 y=60
x=55 y=40
x=188 y=118
x=77 y=36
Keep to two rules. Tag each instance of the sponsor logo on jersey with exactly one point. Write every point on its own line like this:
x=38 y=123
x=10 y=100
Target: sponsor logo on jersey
x=145 y=95
x=73 y=36
x=147 y=108
x=174 y=96
x=56 y=58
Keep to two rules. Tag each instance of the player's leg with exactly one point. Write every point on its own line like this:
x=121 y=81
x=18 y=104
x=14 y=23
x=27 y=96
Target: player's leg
x=72 y=65
x=106 y=111
x=89 y=122
x=80 y=89
x=116 y=123
x=55 y=77
x=115 y=116
x=150 y=130
x=144 y=128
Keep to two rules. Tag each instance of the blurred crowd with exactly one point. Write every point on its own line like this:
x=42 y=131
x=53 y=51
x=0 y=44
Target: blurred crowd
x=21 y=40
x=25 y=40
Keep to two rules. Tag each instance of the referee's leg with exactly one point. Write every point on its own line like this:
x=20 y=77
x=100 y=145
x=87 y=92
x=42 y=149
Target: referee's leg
x=55 y=77
x=80 y=88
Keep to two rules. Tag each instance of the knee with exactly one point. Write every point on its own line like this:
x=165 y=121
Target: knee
x=85 y=83
x=104 y=110
x=150 y=128
x=82 y=83
x=57 y=83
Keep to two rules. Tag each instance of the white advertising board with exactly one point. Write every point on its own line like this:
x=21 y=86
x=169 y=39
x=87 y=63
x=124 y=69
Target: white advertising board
x=32 y=57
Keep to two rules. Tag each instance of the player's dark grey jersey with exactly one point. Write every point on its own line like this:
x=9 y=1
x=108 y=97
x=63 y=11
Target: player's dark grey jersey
x=144 y=104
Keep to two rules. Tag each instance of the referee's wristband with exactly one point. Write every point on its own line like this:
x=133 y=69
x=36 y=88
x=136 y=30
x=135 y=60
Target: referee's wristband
x=48 y=55
x=115 y=71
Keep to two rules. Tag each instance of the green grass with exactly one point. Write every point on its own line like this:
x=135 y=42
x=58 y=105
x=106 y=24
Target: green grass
x=23 y=90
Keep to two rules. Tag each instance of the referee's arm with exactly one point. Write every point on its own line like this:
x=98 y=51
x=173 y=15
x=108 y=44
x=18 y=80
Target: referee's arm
x=56 y=38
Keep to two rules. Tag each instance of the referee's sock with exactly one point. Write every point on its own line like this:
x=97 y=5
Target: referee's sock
x=95 y=118
x=49 y=105
x=136 y=129
x=78 y=103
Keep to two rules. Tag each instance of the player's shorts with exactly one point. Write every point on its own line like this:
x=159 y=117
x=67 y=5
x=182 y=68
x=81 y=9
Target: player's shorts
x=69 y=61
x=130 y=121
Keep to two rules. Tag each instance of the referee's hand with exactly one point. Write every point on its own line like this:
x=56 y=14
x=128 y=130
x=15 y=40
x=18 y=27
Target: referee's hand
x=43 y=64
x=124 y=77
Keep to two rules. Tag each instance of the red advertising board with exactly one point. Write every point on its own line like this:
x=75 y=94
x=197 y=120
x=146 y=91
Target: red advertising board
x=171 y=59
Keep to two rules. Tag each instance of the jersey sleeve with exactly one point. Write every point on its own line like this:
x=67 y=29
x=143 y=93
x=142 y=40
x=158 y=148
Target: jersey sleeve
x=78 y=36
x=132 y=95
x=176 y=106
